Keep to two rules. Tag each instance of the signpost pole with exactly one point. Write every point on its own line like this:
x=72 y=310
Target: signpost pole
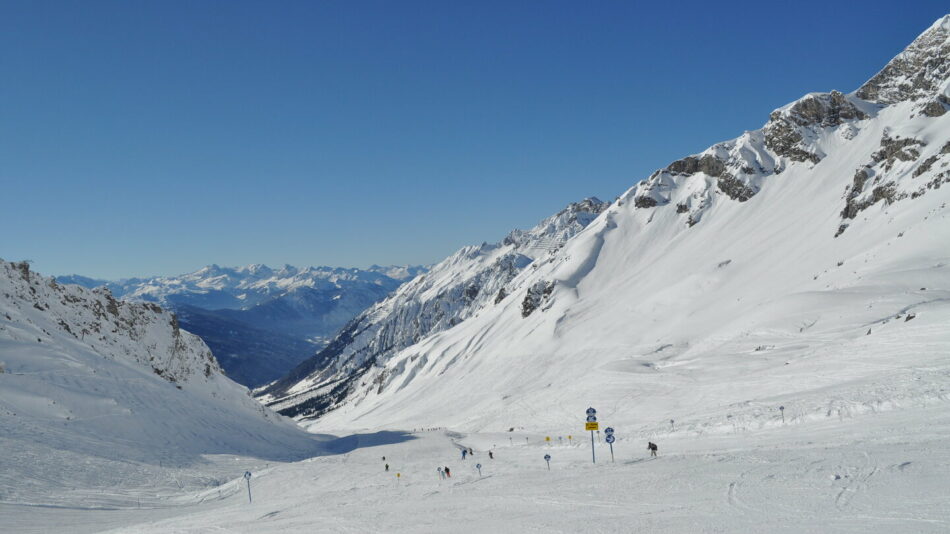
x=247 y=477
x=593 y=455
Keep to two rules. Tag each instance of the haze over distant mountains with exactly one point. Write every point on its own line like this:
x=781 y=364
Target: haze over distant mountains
x=260 y=321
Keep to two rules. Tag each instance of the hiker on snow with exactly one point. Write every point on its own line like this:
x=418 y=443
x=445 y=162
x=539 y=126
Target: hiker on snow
x=652 y=448
x=491 y=455
x=464 y=452
x=447 y=472
x=387 y=467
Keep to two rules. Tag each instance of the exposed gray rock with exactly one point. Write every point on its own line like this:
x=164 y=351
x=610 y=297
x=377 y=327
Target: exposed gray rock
x=925 y=165
x=537 y=293
x=644 y=202
x=934 y=108
x=734 y=188
x=783 y=133
x=709 y=164
x=893 y=149
x=916 y=73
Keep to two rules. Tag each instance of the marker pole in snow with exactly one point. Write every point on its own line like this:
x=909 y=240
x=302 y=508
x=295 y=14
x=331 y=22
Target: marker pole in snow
x=511 y=441
x=247 y=478
x=672 y=428
x=479 y=467
x=610 y=441
x=547 y=458
x=592 y=425
x=525 y=440
x=782 y=409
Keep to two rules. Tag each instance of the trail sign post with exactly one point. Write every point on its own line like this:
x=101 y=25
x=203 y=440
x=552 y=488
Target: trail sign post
x=247 y=478
x=782 y=409
x=610 y=441
x=592 y=426
x=479 y=467
x=672 y=428
x=547 y=458
x=548 y=440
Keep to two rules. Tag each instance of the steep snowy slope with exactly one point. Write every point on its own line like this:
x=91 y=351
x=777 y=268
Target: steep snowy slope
x=94 y=389
x=451 y=292
x=756 y=273
x=261 y=322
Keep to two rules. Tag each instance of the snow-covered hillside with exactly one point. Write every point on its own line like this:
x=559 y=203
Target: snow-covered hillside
x=451 y=292
x=787 y=266
x=95 y=391
x=261 y=322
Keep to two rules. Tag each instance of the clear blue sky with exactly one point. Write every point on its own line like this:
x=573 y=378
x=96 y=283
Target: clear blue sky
x=141 y=138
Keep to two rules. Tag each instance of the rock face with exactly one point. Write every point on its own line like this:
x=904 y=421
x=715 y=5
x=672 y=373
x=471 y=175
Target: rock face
x=451 y=292
x=140 y=332
x=919 y=72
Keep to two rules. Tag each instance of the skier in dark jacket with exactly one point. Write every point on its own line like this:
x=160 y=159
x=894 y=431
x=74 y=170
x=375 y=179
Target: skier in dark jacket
x=387 y=467
x=491 y=455
x=464 y=452
x=652 y=448
x=447 y=472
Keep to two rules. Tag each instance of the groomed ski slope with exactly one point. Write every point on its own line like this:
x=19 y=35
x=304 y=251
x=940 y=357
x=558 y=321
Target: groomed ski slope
x=883 y=472
x=878 y=466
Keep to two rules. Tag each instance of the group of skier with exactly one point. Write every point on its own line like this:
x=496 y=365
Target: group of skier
x=445 y=472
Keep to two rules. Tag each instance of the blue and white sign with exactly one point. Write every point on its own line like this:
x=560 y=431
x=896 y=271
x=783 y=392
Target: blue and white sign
x=547 y=458
x=591 y=411
x=610 y=438
x=591 y=418
x=609 y=430
x=479 y=467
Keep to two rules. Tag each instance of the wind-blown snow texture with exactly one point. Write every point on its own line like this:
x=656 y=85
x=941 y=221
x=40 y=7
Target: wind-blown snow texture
x=786 y=252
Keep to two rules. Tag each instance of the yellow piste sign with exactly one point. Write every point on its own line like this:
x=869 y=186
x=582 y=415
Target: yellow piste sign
x=547 y=438
x=592 y=426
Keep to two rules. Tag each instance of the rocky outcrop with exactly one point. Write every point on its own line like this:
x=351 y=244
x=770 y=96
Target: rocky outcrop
x=535 y=296
x=788 y=128
x=917 y=72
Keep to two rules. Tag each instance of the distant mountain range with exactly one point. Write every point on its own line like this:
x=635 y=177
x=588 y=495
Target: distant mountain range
x=259 y=321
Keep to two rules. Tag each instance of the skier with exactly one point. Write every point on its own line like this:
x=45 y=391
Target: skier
x=387 y=468
x=464 y=452
x=652 y=448
x=471 y=452
x=447 y=472
x=384 y=458
x=491 y=455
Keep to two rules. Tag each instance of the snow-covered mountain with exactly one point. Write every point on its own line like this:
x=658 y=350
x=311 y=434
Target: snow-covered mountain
x=261 y=322
x=451 y=292
x=85 y=376
x=788 y=265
